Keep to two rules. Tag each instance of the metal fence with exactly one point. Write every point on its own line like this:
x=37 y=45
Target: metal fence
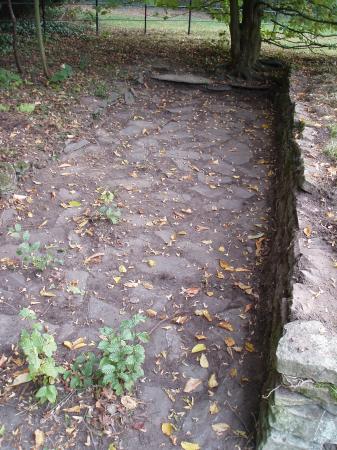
x=144 y=16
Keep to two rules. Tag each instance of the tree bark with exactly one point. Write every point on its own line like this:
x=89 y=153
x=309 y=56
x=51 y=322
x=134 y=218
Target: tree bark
x=234 y=27
x=14 y=37
x=244 y=61
x=40 y=38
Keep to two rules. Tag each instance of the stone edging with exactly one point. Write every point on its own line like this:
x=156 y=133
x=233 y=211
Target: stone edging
x=299 y=408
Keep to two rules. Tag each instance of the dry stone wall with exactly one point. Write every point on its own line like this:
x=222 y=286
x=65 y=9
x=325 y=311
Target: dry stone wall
x=299 y=405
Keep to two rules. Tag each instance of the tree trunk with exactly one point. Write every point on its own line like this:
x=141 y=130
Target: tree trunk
x=14 y=37
x=249 y=37
x=40 y=38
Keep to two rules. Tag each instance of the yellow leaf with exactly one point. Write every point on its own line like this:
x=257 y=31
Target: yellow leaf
x=221 y=249
x=200 y=337
x=151 y=263
x=192 y=384
x=68 y=344
x=229 y=342
x=167 y=428
x=220 y=275
x=147 y=285
x=39 y=438
x=204 y=313
x=233 y=372
x=79 y=341
x=210 y=293
x=212 y=382
x=214 y=408
x=189 y=445
x=74 y=204
x=307 y=231
x=249 y=347
x=122 y=269
x=245 y=287
x=73 y=409
x=79 y=345
x=112 y=447
x=45 y=293
x=129 y=402
x=204 y=361
x=198 y=348
x=226 y=325
x=117 y=279
x=225 y=265
x=220 y=428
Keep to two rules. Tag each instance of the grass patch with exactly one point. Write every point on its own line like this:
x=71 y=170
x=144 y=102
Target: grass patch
x=331 y=149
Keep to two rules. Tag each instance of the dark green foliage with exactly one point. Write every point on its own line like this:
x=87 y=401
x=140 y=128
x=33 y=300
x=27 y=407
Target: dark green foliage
x=9 y=79
x=83 y=371
x=38 y=349
x=123 y=355
x=61 y=75
x=30 y=253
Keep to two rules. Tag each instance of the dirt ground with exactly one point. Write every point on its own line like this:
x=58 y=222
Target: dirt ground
x=191 y=172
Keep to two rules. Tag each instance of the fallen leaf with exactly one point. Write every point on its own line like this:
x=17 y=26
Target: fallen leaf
x=204 y=361
x=249 y=347
x=128 y=402
x=229 y=342
x=204 y=313
x=122 y=269
x=191 y=292
x=200 y=337
x=220 y=428
x=192 y=384
x=198 y=348
x=151 y=313
x=45 y=293
x=307 y=231
x=180 y=320
x=245 y=287
x=226 y=325
x=39 y=438
x=151 y=263
x=167 y=428
x=73 y=409
x=93 y=258
x=214 y=408
x=189 y=445
x=225 y=265
x=147 y=285
x=212 y=381
x=233 y=372
x=21 y=378
x=68 y=344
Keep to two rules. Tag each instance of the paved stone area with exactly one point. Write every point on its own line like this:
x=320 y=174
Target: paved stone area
x=191 y=171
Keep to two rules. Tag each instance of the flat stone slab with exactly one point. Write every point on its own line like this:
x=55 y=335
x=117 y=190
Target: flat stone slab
x=187 y=78
x=308 y=350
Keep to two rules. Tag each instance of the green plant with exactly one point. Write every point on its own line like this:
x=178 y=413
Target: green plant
x=38 y=349
x=30 y=253
x=61 y=75
x=4 y=108
x=2 y=431
x=27 y=108
x=331 y=149
x=9 y=79
x=101 y=89
x=333 y=131
x=83 y=371
x=123 y=355
x=109 y=209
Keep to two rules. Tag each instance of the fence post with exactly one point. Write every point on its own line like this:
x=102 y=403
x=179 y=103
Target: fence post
x=145 y=17
x=189 y=18
x=43 y=5
x=97 y=30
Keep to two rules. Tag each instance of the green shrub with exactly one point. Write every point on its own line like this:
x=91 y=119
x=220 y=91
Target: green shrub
x=9 y=79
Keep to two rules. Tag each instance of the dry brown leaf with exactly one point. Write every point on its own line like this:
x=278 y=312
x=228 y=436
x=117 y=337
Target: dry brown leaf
x=249 y=347
x=192 y=384
x=214 y=408
x=204 y=313
x=21 y=378
x=73 y=409
x=151 y=313
x=180 y=320
x=128 y=402
x=226 y=325
x=94 y=259
x=191 y=292
x=307 y=231
x=229 y=341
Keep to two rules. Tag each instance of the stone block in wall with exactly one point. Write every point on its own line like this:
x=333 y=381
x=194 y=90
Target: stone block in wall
x=299 y=416
x=276 y=440
x=308 y=351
